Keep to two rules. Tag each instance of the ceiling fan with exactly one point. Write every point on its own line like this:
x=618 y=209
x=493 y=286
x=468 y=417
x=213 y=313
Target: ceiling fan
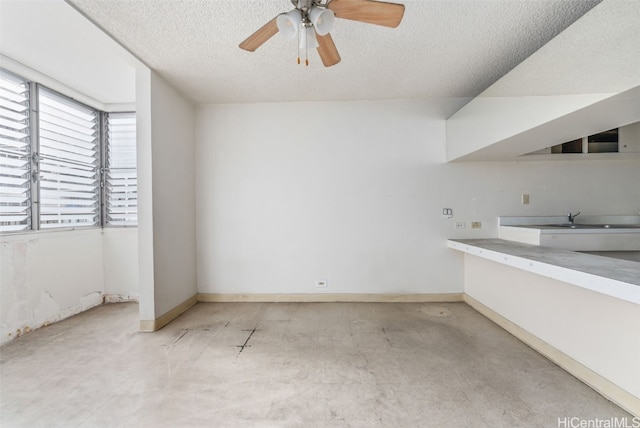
x=312 y=20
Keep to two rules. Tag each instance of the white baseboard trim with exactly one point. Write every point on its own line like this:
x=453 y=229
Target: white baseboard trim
x=158 y=323
x=605 y=387
x=327 y=297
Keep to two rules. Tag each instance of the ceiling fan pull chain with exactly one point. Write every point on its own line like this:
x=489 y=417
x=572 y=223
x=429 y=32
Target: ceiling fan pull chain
x=299 y=36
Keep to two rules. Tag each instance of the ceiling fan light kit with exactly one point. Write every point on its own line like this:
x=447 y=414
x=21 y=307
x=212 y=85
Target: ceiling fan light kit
x=312 y=20
x=288 y=23
x=322 y=19
x=308 y=38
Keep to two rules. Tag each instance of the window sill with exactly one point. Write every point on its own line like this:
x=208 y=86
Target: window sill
x=60 y=232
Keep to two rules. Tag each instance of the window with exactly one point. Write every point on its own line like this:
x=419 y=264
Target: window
x=69 y=162
x=62 y=163
x=15 y=154
x=121 y=182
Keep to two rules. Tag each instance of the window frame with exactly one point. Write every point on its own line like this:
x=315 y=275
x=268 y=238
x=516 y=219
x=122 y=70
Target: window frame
x=104 y=170
x=11 y=126
x=42 y=158
x=34 y=196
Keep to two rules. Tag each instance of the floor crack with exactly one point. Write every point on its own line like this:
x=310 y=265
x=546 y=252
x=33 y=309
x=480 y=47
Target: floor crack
x=181 y=336
x=386 y=337
x=244 y=345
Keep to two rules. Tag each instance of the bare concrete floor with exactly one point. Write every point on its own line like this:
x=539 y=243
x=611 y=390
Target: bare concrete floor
x=287 y=365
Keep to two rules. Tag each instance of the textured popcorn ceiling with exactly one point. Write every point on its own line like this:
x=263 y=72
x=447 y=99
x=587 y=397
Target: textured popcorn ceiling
x=441 y=49
x=599 y=54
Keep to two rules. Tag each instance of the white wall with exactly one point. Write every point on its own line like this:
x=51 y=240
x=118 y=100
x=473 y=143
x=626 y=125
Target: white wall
x=48 y=276
x=166 y=194
x=120 y=263
x=353 y=193
x=61 y=43
x=144 y=165
x=629 y=138
x=173 y=195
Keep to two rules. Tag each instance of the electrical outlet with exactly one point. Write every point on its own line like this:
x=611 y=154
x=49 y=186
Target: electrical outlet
x=525 y=199
x=460 y=225
x=476 y=225
x=322 y=283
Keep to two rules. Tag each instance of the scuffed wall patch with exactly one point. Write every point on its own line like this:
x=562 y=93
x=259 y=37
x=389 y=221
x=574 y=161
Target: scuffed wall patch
x=120 y=298
x=47 y=276
x=14 y=302
x=91 y=299
x=47 y=306
x=85 y=302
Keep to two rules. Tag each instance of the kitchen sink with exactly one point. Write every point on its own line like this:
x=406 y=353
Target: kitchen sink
x=586 y=233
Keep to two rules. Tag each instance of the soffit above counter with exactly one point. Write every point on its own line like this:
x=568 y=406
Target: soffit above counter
x=566 y=90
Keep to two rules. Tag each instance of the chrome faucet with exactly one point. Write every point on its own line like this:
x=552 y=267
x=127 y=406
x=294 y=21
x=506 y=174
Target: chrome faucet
x=572 y=217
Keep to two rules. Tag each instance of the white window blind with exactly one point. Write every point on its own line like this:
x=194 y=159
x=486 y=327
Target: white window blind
x=15 y=151
x=69 y=162
x=121 y=181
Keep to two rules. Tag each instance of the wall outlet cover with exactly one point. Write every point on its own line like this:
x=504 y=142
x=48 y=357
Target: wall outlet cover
x=322 y=283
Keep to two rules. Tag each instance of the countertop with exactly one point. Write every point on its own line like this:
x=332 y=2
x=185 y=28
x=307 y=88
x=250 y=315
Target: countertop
x=614 y=277
x=581 y=228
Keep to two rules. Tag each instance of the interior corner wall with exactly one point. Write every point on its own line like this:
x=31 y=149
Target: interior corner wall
x=48 y=276
x=144 y=165
x=353 y=193
x=167 y=239
x=120 y=262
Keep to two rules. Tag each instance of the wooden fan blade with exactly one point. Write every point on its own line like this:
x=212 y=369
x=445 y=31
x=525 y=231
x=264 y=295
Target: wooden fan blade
x=369 y=11
x=258 y=38
x=327 y=50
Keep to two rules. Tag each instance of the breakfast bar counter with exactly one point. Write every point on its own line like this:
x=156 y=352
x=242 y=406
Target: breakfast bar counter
x=613 y=277
x=580 y=310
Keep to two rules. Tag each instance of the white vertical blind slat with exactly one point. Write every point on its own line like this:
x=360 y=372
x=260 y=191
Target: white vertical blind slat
x=121 y=184
x=15 y=151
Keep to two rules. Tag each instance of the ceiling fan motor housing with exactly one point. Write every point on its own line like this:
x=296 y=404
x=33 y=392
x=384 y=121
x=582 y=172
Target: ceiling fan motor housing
x=304 y=5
